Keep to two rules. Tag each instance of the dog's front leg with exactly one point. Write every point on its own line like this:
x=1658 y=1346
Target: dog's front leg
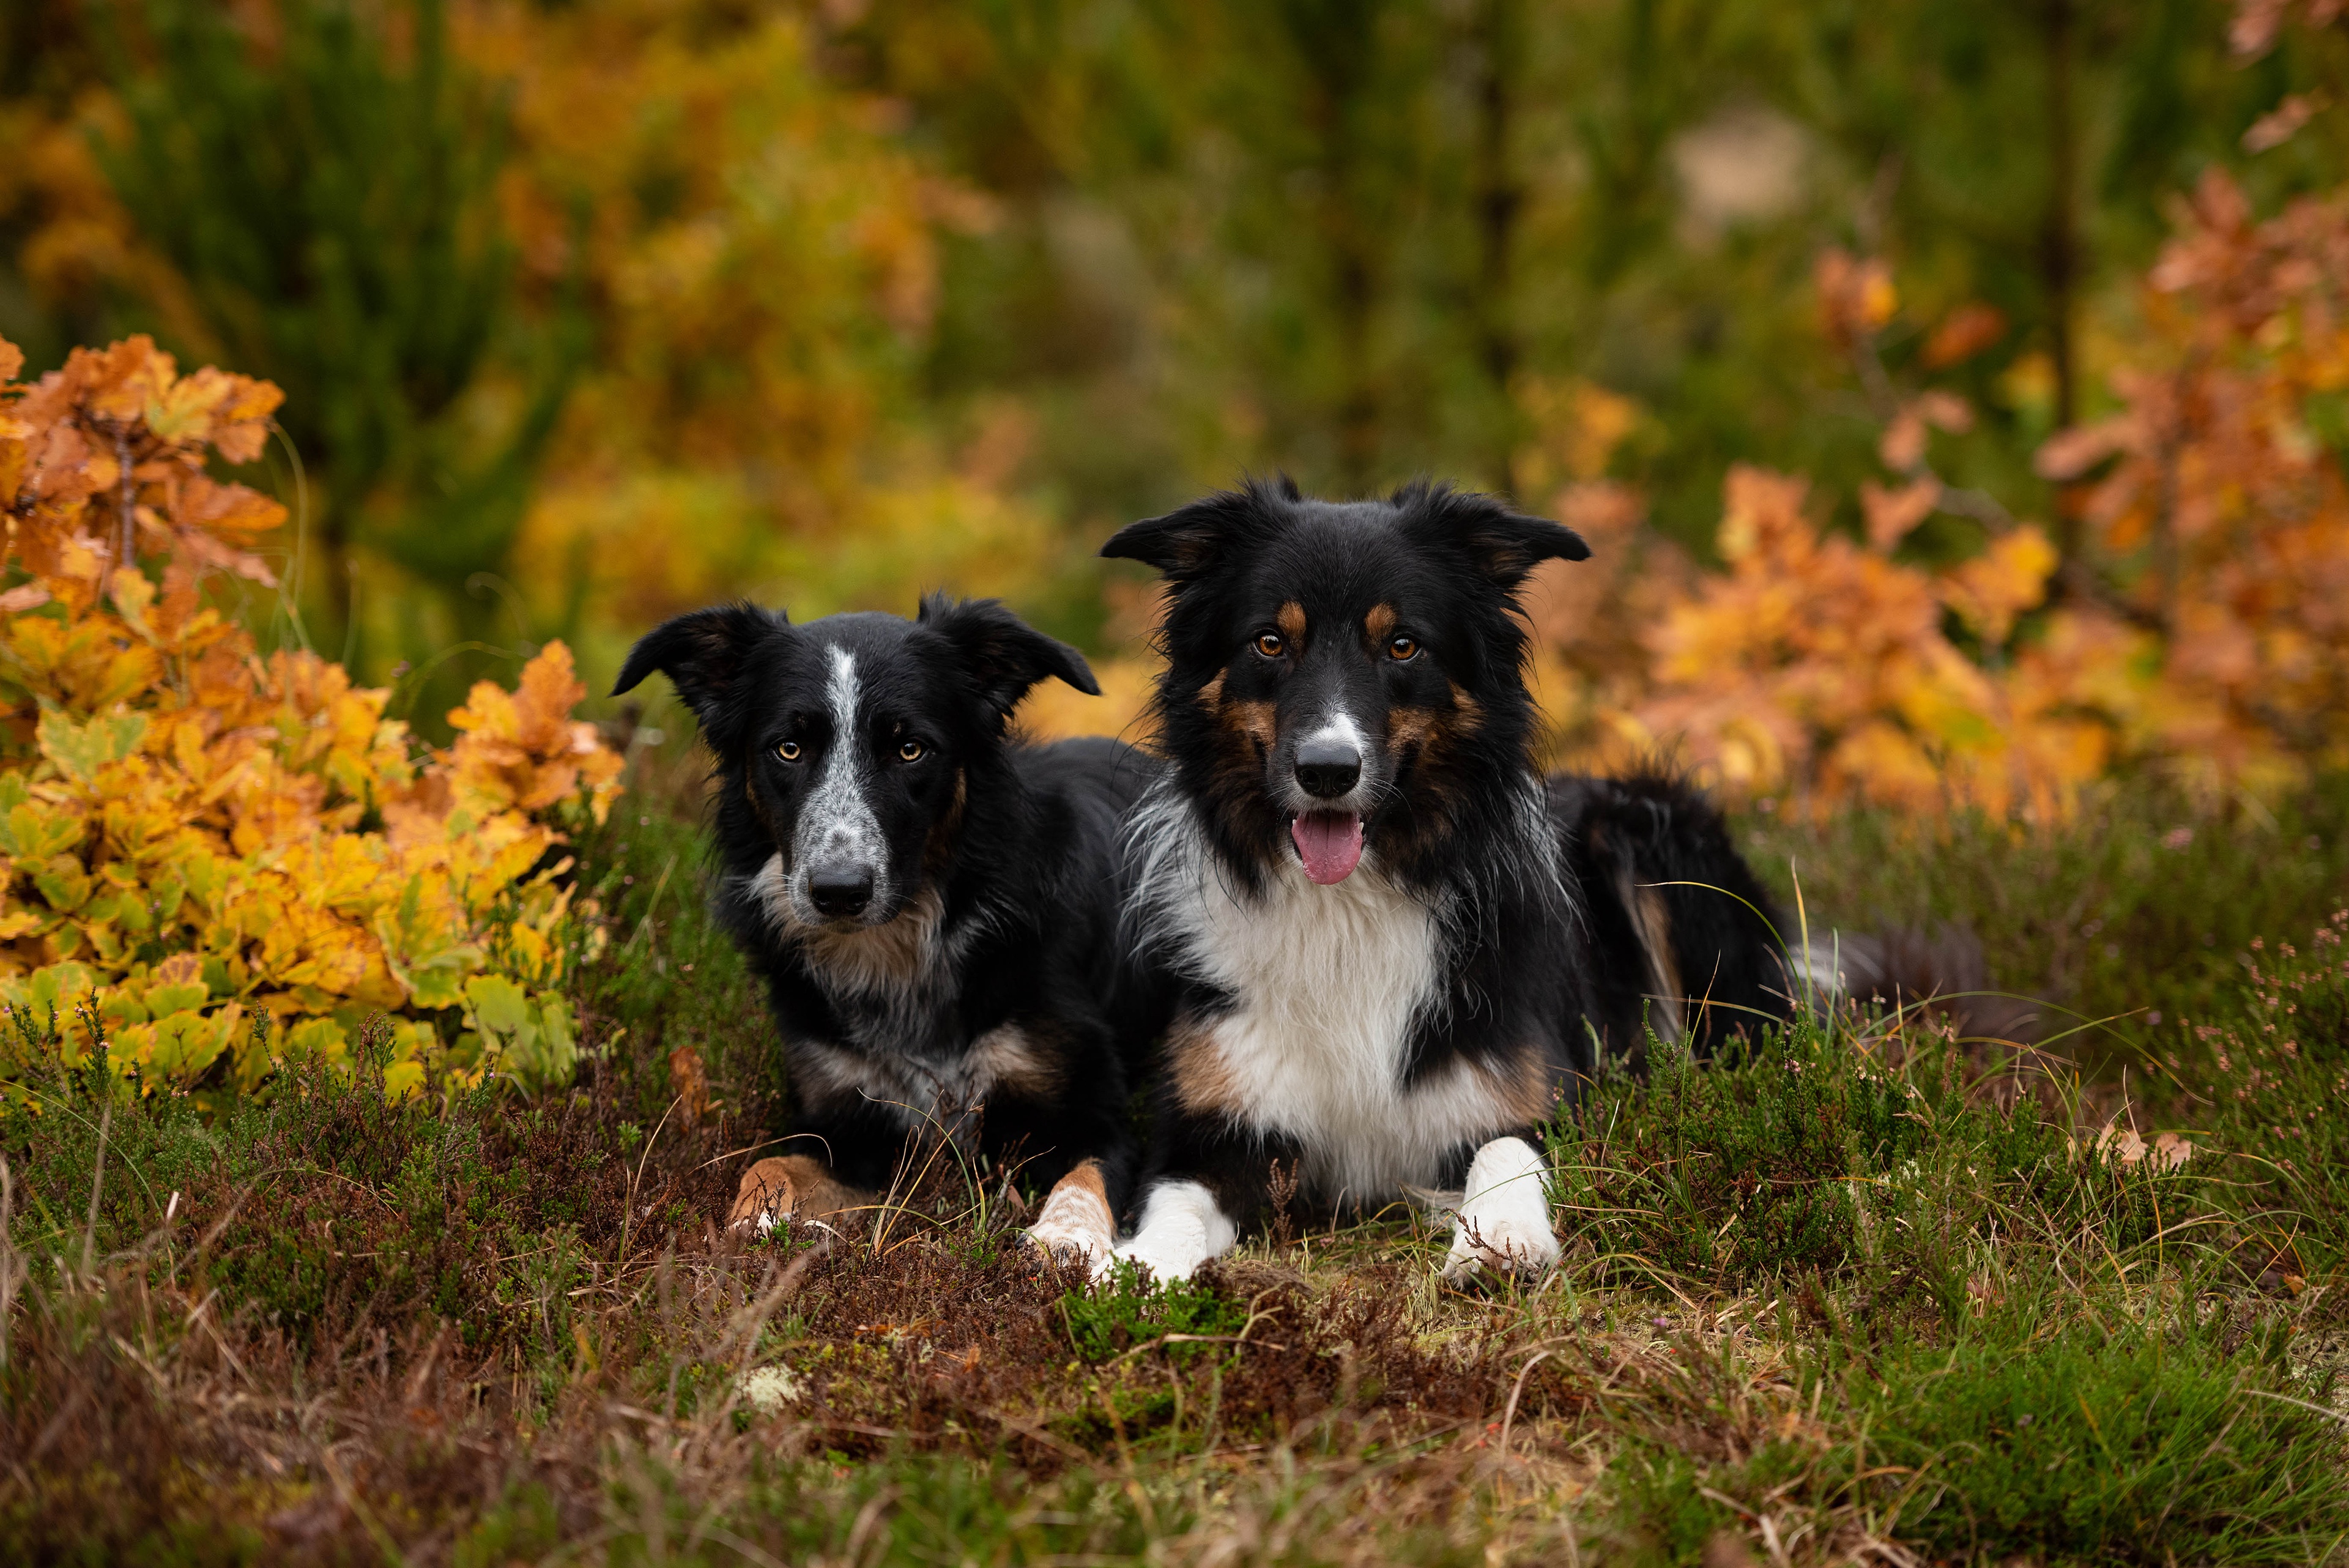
x=1182 y=1227
x=793 y=1187
x=1504 y=1220
x=1076 y=1221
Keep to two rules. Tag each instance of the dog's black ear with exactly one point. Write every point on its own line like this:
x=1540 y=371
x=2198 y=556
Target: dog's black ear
x=1505 y=546
x=1188 y=540
x=703 y=654
x=1001 y=654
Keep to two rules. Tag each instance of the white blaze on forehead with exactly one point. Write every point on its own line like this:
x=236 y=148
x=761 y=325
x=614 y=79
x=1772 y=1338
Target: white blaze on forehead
x=842 y=690
x=837 y=823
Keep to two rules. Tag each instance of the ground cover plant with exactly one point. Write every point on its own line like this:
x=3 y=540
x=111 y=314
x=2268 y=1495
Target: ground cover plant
x=1861 y=1292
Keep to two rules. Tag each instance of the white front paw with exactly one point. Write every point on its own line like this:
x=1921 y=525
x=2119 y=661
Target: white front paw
x=1174 y=1259
x=1502 y=1226
x=1500 y=1245
x=1182 y=1227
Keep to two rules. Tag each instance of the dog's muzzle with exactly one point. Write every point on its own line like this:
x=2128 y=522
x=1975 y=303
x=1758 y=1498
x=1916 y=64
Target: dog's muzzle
x=1329 y=767
x=839 y=889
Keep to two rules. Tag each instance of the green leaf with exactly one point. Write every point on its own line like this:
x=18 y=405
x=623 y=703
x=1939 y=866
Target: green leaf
x=37 y=831
x=80 y=750
x=497 y=1004
x=63 y=882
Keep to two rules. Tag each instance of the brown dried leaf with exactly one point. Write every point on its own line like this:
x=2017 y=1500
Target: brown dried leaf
x=1891 y=514
x=1902 y=447
x=1964 y=333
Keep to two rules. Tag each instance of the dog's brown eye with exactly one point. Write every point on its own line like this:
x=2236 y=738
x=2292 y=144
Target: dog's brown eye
x=1402 y=647
x=789 y=750
x=911 y=751
x=1271 y=644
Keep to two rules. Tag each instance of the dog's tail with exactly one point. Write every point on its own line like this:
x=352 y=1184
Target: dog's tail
x=1941 y=971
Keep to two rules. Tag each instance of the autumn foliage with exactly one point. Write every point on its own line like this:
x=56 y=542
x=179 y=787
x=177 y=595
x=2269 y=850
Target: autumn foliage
x=2200 y=624
x=216 y=859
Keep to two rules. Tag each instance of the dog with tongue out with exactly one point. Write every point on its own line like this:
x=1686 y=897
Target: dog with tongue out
x=1397 y=946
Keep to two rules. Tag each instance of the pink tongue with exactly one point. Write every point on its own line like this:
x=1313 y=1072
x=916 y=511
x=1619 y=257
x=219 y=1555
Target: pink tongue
x=1330 y=842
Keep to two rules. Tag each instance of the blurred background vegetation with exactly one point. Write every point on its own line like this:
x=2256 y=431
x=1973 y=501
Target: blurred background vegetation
x=589 y=311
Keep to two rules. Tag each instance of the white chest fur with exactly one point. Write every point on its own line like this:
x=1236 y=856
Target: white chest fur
x=1330 y=982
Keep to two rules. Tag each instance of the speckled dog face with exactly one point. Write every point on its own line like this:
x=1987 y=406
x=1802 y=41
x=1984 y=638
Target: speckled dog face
x=854 y=770
x=1342 y=676
x=851 y=739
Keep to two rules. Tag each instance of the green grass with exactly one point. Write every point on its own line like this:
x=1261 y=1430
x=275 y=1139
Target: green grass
x=2136 y=912
x=2132 y=1443
x=1863 y=1285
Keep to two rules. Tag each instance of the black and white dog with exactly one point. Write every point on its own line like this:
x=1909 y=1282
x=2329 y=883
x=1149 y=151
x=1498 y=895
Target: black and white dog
x=1398 y=946
x=933 y=906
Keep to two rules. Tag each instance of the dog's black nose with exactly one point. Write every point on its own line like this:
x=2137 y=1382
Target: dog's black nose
x=839 y=890
x=1328 y=769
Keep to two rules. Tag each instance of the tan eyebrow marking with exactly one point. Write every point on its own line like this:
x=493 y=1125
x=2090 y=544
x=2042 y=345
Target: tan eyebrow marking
x=1380 y=623
x=1291 y=621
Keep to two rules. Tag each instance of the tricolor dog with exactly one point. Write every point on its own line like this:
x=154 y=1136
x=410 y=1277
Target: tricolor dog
x=1398 y=945
x=933 y=905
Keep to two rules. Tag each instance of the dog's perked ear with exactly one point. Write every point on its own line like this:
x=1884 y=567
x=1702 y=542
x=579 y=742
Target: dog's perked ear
x=1188 y=540
x=703 y=654
x=1505 y=546
x=1001 y=655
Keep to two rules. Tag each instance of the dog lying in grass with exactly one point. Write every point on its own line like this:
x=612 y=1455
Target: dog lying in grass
x=933 y=906
x=1399 y=947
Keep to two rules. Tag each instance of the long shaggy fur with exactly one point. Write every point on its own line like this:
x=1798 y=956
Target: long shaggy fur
x=978 y=992
x=1374 y=1023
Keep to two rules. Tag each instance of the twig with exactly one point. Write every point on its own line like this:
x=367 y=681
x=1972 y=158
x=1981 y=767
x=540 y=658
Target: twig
x=97 y=1185
x=628 y=1215
x=651 y=904
x=1509 y=1416
x=7 y=1258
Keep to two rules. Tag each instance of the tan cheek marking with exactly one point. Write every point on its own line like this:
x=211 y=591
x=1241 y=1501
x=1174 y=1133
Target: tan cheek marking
x=1470 y=713
x=1408 y=727
x=1257 y=721
x=1429 y=729
x=1252 y=720
x=1380 y=623
x=1205 y=1084
x=1292 y=621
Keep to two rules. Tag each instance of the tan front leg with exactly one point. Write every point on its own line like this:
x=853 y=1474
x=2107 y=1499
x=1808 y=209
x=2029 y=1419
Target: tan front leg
x=792 y=1187
x=1075 y=1223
